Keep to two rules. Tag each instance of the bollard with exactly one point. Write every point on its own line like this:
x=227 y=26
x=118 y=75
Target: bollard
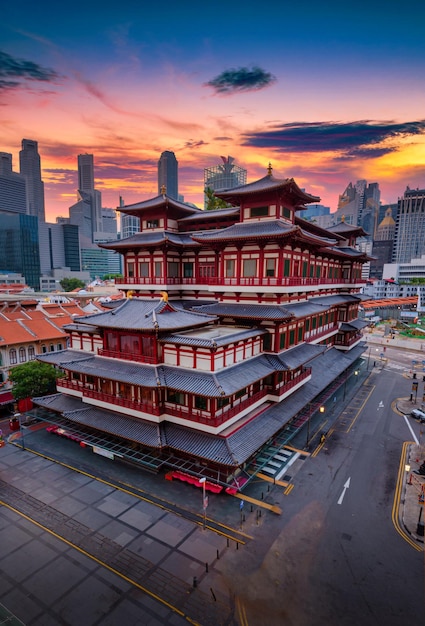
x=228 y=542
x=252 y=508
x=237 y=545
x=195 y=582
x=218 y=554
x=206 y=567
x=262 y=495
x=268 y=487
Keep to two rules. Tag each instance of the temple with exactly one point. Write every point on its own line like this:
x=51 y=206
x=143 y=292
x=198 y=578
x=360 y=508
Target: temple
x=234 y=322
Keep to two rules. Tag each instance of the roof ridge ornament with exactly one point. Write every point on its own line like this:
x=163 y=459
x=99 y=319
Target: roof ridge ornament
x=269 y=169
x=163 y=190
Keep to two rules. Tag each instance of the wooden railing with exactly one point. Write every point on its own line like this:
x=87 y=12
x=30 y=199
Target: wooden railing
x=266 y=281
x=128 y=356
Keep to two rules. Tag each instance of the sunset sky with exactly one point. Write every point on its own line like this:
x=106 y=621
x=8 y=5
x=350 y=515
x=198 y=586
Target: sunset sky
x=327 y=92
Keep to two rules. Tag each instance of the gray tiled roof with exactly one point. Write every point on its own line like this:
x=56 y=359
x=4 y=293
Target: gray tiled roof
x=63 y=357
x=212 y=342
x=299 y=355
x=240 y=445
x=154 y=238
x=335 y=299
x=211 y=215
x=268 y=183
x=353 y=325
x=247 y=311
x=301 y=309
x=266 y=228
x=151 y=315
x=160 y=201
x=131 y=428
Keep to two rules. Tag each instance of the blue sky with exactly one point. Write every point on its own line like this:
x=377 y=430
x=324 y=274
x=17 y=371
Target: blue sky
x=327 y=93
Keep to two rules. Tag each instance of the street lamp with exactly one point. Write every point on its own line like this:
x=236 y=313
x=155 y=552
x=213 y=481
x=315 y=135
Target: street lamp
x=204 y=499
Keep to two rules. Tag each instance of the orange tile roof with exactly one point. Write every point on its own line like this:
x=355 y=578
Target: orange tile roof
x=44 y=330
x=13 y=333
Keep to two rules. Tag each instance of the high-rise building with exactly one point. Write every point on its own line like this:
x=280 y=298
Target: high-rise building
x=19 y=247
x=85 y=172
x=168 y=174
x=87 y=211
x=409 y=240
x=30 y=167
x=13 y=187
x=227 y=175
x=358 y=205
x=59 y=247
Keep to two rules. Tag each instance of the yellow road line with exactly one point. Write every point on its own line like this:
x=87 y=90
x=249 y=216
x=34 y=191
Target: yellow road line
x=167 y=506
x=268 y=479
x=271 y=507
x=240 y=609
x=103 y=564
x=360 y=409
x=288 y=489
x=397 y=498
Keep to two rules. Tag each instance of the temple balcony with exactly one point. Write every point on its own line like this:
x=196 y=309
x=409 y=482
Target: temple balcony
x=266 y=284
x=139 y=358
x=122 y=405
x=313 y=336
x=348 y=342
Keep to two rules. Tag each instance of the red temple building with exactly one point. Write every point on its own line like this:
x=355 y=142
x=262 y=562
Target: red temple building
x=235 y=321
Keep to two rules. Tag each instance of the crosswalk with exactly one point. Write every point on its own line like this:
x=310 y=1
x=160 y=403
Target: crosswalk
x=277 y=465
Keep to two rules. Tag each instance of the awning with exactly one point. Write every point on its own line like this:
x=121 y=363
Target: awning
x=6 y=398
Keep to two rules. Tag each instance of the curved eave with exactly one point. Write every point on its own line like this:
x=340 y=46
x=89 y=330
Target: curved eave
x=143 y=240
x=317 y=230
x=158 y=202
x=360 y=256
x=268 y=185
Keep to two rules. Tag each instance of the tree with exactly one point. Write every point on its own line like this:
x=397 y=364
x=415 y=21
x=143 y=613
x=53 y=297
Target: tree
x=69 y=284
x=212 y=202
x=33 y=379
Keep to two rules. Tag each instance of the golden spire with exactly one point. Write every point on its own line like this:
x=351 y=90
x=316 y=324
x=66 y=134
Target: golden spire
x=163 y=190
x=342 y=218
x=269 y=170
x=164 y=295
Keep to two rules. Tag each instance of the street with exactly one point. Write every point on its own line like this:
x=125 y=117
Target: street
x=127 y=548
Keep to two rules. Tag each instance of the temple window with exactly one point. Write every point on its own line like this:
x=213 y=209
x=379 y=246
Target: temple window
x=291 y=337
x=188 y=270
x=152 y=223
x=267 y=342
x=230 y=268
x=158 y=269
x=12 y=356
x=22 y=355
x=31 y=353
x=130 y=269
x=201 y=403
x=176 y=397
x=286 y=213
x=130 y=344
x=282 y=341
x=286 y=267
x=259 y=211
x=143 y=269
x=270 y=267
x=222 y=402
x=173 y=269
x=249 y=268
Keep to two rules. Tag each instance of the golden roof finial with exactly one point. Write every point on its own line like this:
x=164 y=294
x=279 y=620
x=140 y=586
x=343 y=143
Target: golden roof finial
x=342 y=218
x=269 y=170
x=163 y=190
x=164 y=295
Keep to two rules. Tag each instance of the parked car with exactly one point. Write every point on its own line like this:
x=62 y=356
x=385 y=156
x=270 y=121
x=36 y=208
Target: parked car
x=418 y=414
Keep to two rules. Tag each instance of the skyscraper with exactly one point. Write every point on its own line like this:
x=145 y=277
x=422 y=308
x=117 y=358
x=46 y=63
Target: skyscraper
x=13 y=187
x=168 y=174
x=30 y=167
x=85 y=172
x=409 y=241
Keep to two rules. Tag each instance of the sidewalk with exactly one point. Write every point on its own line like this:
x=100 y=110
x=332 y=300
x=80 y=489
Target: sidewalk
x=412 y=514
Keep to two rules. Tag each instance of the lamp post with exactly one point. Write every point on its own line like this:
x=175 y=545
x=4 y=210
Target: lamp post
x=204 y=499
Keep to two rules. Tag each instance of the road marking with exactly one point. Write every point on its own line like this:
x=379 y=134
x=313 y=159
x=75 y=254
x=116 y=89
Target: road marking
x=411 y=430
x=346 y=486
x=380 y=405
